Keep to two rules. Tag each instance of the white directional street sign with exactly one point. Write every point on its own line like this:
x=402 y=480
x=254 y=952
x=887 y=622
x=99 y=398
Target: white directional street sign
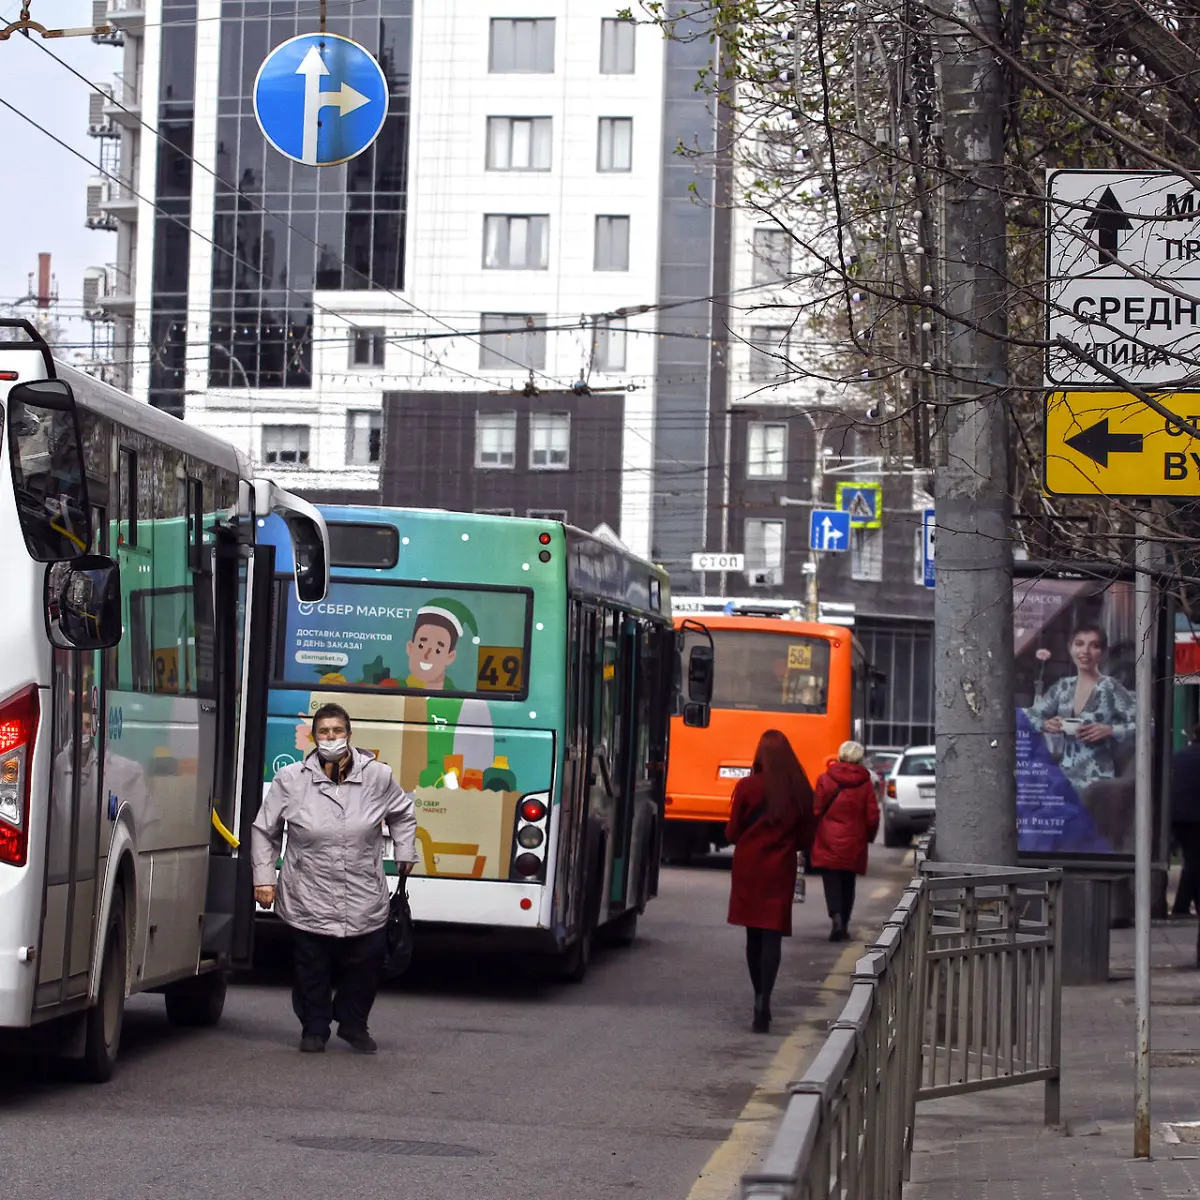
x=718 y=562
x=1123 y=277
x=829 y=529
x=320 y=99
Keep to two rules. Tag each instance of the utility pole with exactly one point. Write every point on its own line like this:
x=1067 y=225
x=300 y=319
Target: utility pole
x=973 y=639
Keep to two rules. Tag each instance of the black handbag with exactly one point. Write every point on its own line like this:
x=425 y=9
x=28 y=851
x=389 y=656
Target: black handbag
x=399 y=934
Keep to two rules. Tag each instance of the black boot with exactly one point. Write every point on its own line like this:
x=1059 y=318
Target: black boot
x=762 y=1016
x=835 y=933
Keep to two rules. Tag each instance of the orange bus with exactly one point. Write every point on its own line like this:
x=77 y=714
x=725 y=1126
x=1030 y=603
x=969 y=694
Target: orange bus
x=812 y=681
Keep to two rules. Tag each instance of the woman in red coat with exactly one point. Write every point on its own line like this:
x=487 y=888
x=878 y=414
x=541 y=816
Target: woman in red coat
x=847 y=816
x=771 y=820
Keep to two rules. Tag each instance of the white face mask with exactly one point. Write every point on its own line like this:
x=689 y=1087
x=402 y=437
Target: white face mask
x=332 y=751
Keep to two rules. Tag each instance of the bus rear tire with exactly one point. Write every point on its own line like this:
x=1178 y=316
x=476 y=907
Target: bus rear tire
x=623 y=931
x=197 y=1003
x=103 y=1022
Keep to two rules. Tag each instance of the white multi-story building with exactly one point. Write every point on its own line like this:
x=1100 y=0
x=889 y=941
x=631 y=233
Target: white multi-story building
x=512 y=200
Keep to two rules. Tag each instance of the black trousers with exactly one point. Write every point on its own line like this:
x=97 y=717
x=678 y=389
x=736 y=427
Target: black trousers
x=1187 y=834
x=839 y=893
x=764 y=949
x=321 y=964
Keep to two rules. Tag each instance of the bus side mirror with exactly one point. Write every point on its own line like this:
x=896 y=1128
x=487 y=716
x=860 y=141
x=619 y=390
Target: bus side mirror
x=82 y=601
x=696 y=715
x=312 y=567
x=877 y=697
x=45 y=449
x=700 y=671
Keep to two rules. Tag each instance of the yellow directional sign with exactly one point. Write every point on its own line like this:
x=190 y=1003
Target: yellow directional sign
x=1113 y=444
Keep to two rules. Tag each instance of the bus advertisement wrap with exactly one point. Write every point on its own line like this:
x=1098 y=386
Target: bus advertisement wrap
x=1075 y=654
x=419 y=668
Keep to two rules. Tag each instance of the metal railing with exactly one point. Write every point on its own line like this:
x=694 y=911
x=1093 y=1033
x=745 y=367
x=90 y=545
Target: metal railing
x=960 y=992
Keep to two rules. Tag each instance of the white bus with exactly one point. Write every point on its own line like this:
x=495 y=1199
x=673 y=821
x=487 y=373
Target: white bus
x=132 y=705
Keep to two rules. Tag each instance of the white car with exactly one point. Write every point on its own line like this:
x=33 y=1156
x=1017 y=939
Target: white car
x=910 y=796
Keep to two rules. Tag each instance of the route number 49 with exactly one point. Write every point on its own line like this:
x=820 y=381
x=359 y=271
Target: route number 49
x=501 y=669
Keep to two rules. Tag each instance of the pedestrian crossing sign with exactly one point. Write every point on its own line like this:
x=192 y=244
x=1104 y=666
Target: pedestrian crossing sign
x=864 y=503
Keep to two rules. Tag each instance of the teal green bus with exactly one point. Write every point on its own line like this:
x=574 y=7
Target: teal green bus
x=518 y=677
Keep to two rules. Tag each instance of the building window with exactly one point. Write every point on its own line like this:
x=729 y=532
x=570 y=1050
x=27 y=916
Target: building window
x=766 y=451
x=768 y=351
x=506 y=344
x=364 y=438
x=866 y=554
x=615 y=152
x=764 y=545
x=549 y=441
x=496 y=441
x=547 y=514
x=616 y=46
x=515 y=243
x=522 y=46
x=494 y=512
x=612 y=244
x=367 y=347
x=285 y=445
x=608 y=348
x=518 y=144
x=772 y=255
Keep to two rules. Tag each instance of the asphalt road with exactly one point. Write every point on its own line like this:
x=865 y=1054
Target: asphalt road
x=490 y=1082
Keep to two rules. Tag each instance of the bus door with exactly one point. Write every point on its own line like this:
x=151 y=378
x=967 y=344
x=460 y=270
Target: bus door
x=73 y=834
x=243 y=577
x=625 y=756
x=585 y=777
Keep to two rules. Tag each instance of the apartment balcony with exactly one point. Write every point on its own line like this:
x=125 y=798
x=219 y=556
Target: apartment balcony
x=125 y=105
x=118 y=200
x=119 y=299
x=126 y=15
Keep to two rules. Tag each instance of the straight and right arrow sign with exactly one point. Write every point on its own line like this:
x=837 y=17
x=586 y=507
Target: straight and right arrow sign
x=1112 y=444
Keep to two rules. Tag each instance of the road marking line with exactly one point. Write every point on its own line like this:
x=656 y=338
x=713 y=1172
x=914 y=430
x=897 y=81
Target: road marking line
x=882 y=892
x=757 y=1122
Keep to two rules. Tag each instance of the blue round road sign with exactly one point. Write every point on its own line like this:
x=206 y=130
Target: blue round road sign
x=320 y=99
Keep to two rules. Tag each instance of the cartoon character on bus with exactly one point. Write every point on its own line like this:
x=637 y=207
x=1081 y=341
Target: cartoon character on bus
x=440 y=626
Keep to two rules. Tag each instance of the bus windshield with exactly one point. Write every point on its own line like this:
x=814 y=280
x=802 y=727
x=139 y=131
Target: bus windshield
x=774 y=672
x=458 y=640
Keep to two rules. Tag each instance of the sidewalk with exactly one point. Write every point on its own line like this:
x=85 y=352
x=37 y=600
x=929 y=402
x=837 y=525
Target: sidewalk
x=992 y=1145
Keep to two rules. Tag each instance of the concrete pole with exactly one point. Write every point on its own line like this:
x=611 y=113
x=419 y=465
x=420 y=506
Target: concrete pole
x=976 y=819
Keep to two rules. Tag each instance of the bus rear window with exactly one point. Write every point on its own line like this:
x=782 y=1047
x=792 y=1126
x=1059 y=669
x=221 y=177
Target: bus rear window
x=362 y=545
x=775 y=672
x=407 y=637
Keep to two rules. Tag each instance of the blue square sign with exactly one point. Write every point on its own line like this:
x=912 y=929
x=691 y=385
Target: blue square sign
x=928 y=529
x=829 y=529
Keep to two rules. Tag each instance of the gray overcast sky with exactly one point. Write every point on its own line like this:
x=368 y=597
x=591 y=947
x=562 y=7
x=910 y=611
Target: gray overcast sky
x=43 y=202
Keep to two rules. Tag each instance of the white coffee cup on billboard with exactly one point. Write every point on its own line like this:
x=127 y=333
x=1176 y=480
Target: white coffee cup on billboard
x=1072 y=725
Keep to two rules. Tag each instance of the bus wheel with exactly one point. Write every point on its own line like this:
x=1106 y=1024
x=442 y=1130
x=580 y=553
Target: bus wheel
x=197 y=1003
x=573 y=965
x=102 y=1024
x=623 y=931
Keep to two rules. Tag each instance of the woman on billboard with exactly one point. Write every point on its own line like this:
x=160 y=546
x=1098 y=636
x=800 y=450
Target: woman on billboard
x=1093 y=712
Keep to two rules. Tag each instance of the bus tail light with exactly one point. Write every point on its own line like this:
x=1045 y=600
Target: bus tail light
x=530 y=834
x=18 y=729
x=891 y=789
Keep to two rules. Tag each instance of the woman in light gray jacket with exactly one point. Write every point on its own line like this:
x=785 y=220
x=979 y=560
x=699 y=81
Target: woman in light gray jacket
x=332 y=889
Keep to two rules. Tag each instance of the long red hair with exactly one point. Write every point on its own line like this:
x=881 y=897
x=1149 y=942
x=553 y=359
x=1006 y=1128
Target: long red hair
x=786 y=788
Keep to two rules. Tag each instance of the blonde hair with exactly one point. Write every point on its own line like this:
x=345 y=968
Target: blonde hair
x=850 y=752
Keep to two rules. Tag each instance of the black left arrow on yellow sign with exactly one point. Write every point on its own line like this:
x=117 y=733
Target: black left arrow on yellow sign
x=1098 y=442
x=1112 y=444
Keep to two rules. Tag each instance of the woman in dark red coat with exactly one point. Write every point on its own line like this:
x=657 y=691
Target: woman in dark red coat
x=847 y=816
x=771 y=820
